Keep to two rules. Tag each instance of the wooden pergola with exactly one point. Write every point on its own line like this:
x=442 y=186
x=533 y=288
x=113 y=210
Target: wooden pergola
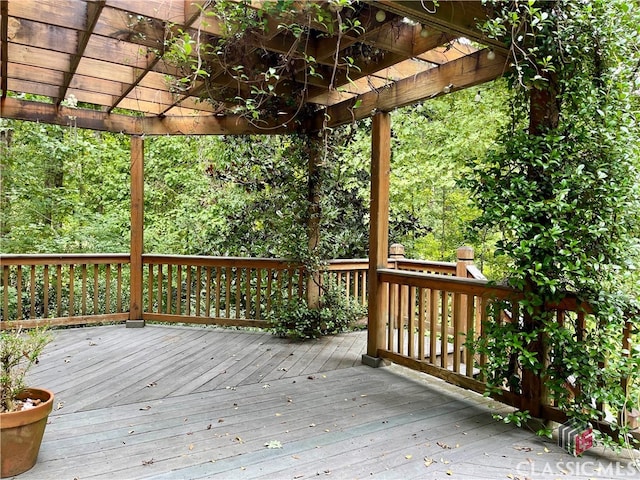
x=104 y=65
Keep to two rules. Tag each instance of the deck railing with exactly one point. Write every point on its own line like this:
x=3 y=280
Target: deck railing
x=217 y=290
x=435 y=309
x=64 y=289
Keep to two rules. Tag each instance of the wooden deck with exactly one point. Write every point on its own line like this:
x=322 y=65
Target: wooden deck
x=191 y=402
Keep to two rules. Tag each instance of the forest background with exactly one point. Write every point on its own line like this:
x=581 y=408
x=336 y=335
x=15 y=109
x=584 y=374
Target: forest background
x=66 y=190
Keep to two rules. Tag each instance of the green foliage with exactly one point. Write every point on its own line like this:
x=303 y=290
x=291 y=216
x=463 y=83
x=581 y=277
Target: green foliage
x=19 y=351
x=241 y=28
x=292 y=318
x=564 y=192
x=63 y=190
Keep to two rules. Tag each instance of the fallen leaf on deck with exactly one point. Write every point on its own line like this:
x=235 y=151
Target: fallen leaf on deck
x=209 y=427
x=523 y=449
x=147 y=462
x=131 y=431
x=239 y=440
x=408 y=457
x=146 y=408
x=273 y=444
x=152 y=384
x=428 y=461
x=191 y=447
x=266 y=385
x=60 y=405
x=312 y=425
x=449 y=472
x=443 y=445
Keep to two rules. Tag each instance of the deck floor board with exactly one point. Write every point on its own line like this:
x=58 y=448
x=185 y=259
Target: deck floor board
x=172 y=402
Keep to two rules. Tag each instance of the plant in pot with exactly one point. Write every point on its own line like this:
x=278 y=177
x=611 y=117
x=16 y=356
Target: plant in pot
x=23 y=411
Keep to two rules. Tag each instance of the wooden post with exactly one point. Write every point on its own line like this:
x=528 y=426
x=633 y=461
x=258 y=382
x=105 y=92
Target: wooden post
x=464 y=257
x=137 y=229
x=314 y=150
x=396 y=252
x=378 y=233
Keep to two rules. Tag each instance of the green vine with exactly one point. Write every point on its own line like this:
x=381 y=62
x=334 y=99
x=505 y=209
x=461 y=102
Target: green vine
x=562 y=186
x=238 y=53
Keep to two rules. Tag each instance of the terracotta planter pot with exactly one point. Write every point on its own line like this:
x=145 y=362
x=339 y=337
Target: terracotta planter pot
x=21 y=433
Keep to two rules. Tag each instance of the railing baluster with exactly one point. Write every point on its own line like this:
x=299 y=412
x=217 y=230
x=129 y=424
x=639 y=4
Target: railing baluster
x=179 y=290
x=84 y=289
x=470 y=336
x=59 y=290
x=107 y=292
x=270 y=273
x=119 y=289
x=227 y=293
x=169 y=293
x=5 y=292
x=32 y=291
x=411 y=300
x=95 y=289
x=71 y=310
x=218 y=278
x=160 y=282
x=150 y=288
x=247 y=300
x=457 y=330
x=258 y=292
x=433 y=325
x=188 y=291
x=45 y=313
x=239 y=289
x=198 y=289
x=207 y=290
x=421 y=322
x=19 y=313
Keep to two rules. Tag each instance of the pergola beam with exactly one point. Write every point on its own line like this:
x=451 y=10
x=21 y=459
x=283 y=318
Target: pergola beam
x=101 y=121
x=456 y=75
x=458 y=17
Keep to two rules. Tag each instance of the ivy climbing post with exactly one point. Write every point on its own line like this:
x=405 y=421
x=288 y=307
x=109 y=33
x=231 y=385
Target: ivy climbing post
x=314 y=149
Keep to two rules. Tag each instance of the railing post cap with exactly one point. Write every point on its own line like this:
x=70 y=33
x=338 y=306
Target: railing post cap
x=396 y=250
x=465 y=254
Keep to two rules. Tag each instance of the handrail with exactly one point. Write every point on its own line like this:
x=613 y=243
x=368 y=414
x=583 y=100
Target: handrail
x=202 y=260
x=466 y=286
x=63 y=258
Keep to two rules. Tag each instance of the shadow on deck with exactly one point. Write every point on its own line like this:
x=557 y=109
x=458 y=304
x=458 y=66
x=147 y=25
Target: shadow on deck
x=190 y=402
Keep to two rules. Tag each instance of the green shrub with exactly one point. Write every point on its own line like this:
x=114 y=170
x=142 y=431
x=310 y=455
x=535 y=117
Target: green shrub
x=292 y=318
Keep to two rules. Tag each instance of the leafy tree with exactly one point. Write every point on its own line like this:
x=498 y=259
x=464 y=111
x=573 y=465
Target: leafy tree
x=63 y=190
